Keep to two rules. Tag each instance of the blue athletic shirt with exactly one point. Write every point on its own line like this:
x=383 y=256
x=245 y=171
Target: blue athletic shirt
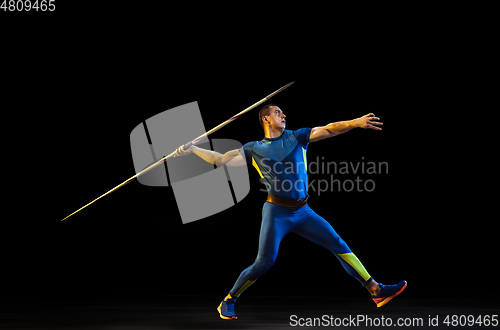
x=281 y=163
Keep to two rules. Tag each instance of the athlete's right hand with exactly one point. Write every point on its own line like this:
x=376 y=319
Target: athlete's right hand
x=182 y=152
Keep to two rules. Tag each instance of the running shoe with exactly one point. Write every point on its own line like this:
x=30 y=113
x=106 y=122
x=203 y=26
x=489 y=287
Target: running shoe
x=387 y=292
x=226 y=309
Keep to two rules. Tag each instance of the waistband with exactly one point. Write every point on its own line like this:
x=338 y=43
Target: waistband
x=297 y=204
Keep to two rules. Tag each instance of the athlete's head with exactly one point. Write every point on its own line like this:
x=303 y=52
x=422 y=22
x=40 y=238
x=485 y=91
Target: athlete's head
x=272 y=117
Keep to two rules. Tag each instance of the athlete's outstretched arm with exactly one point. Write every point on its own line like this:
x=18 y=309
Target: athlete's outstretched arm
x=230 y=158
x=334 y=129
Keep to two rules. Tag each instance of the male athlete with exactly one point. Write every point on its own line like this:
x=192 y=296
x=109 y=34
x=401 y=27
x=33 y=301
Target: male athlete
x=280 y=159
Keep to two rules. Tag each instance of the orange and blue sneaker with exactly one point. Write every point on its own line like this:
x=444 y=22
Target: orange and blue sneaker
x=387 y=292
x=226 y=309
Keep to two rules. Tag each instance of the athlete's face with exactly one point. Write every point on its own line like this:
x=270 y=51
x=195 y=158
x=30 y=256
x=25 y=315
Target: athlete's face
x=276 y=118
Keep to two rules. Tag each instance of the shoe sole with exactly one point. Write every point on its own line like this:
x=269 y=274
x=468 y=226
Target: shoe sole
x=225 y=317
x=382 y=301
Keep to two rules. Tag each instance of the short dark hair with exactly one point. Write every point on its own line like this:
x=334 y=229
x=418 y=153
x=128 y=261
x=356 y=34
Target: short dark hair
x=265 y=111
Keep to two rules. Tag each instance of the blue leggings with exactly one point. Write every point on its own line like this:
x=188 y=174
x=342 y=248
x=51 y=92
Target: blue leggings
x=277 y=222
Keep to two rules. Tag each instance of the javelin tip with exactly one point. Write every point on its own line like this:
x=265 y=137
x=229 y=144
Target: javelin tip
x=279 y=90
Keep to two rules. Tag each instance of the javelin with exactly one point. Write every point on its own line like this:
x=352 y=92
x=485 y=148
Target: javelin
x=187 y=145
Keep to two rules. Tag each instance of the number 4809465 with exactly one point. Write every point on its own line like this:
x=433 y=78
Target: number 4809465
x=28 y=5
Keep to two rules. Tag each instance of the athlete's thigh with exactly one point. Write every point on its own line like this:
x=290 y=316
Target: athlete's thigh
x=316 y=229
x=275 y=225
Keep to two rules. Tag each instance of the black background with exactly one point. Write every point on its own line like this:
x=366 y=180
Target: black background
x=80 y=79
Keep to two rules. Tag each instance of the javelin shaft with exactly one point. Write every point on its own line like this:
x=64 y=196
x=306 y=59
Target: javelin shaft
x=216 y=128
x=187 y=145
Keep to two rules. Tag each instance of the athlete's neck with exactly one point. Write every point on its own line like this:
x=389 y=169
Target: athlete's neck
x=271 y=133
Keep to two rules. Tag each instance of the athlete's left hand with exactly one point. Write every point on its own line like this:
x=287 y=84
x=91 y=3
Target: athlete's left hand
x=369 y=121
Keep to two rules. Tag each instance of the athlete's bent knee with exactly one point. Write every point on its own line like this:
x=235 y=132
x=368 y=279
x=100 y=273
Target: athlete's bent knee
x=262 y=265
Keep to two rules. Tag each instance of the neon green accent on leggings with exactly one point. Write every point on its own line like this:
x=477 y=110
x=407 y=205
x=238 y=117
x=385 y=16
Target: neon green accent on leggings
x=352 y=260
x=244 y=287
